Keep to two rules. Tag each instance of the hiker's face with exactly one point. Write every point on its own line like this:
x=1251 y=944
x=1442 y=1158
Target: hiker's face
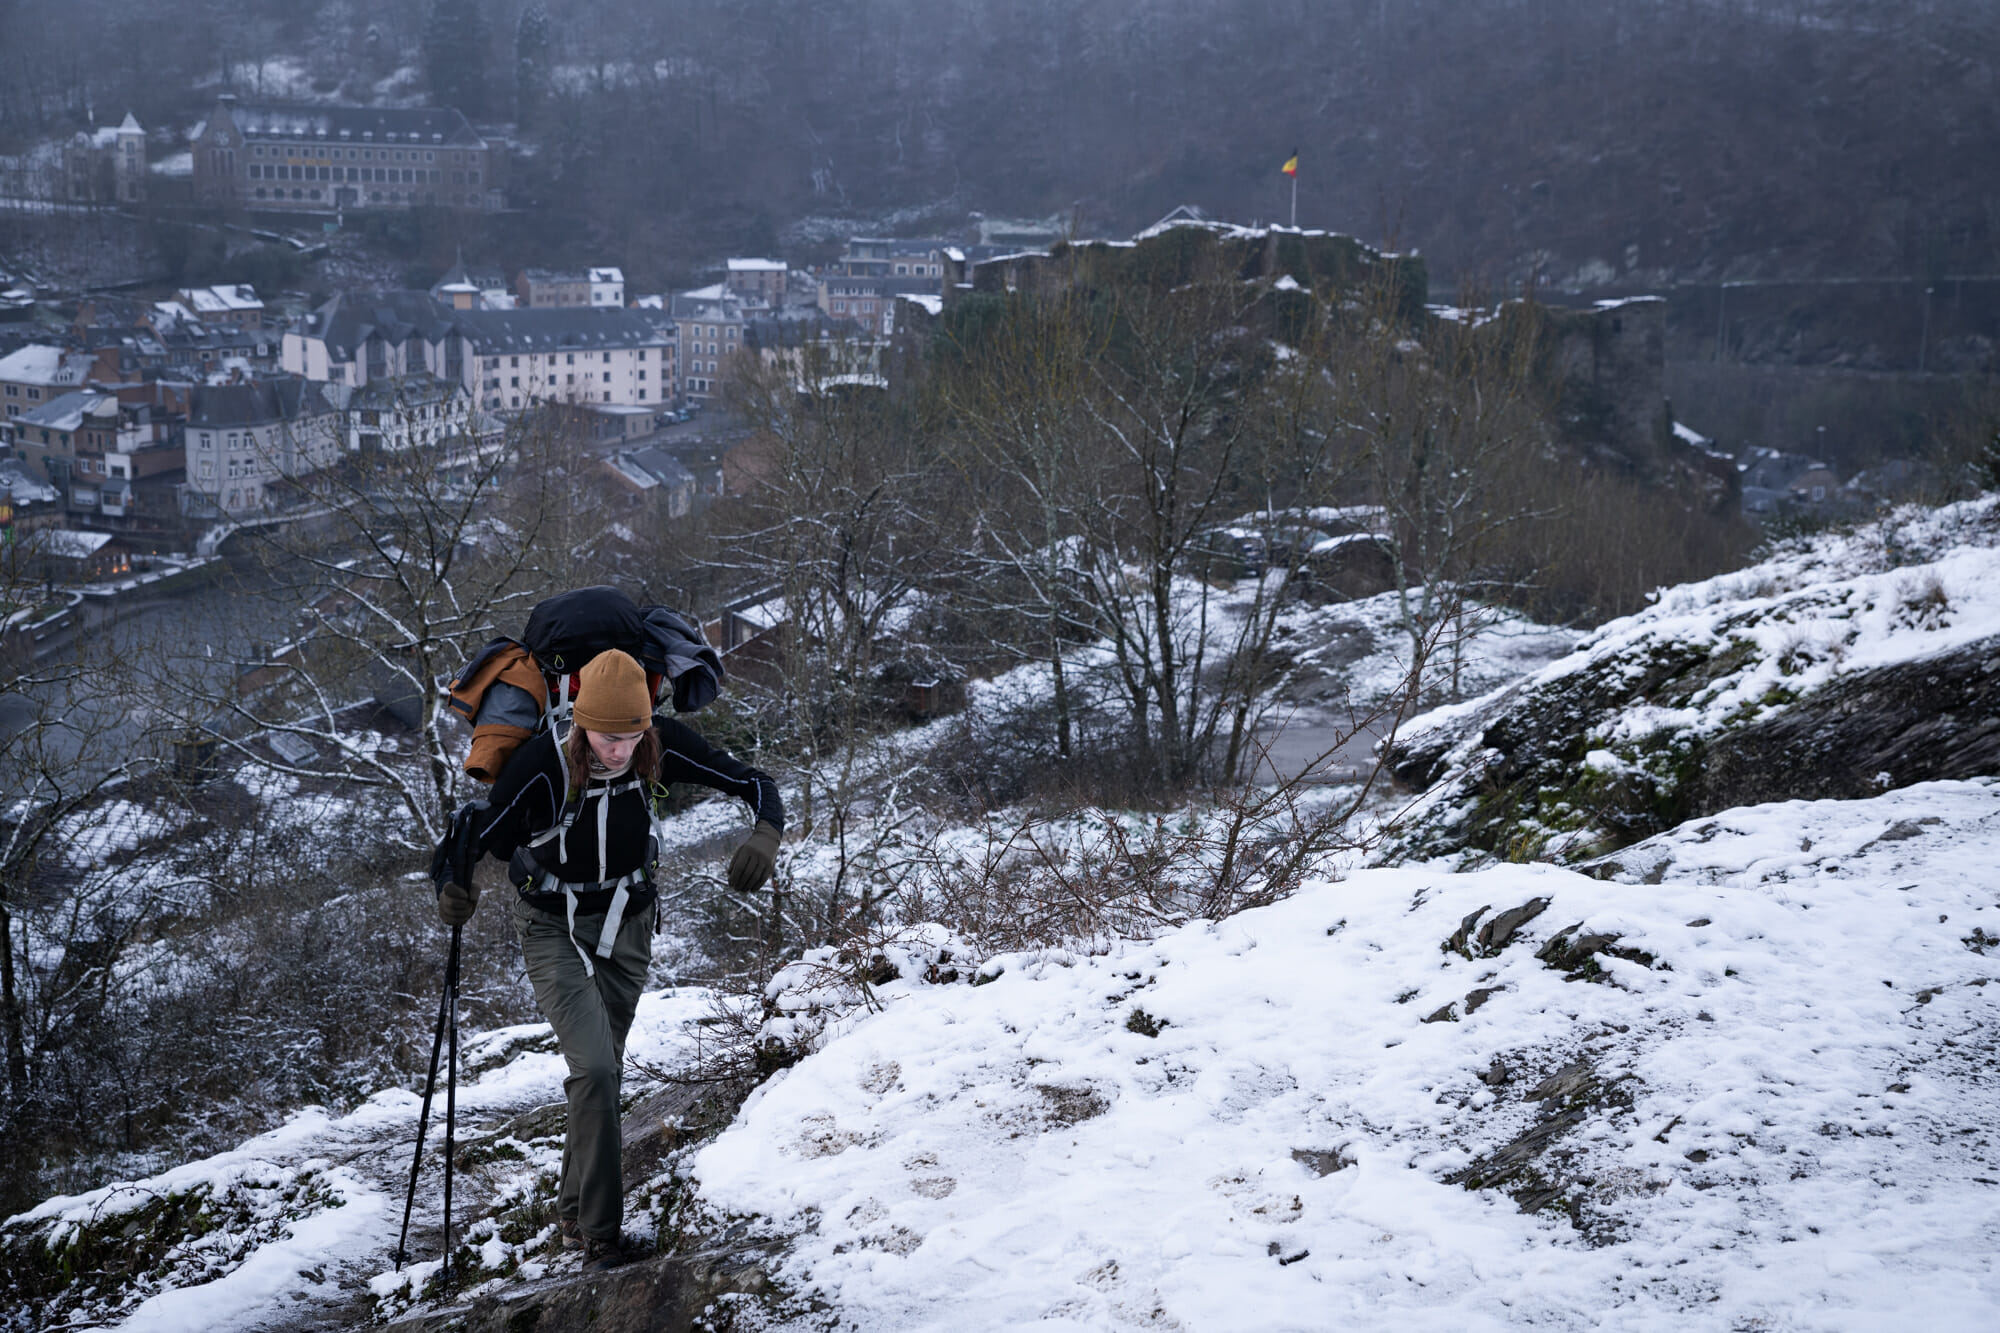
x=613 y=749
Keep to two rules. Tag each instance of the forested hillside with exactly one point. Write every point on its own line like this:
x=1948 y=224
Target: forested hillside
x=1649 y=140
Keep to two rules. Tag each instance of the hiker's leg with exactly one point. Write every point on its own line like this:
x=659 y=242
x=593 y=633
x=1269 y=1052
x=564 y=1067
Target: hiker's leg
x=622 y=976
x=592 y=1187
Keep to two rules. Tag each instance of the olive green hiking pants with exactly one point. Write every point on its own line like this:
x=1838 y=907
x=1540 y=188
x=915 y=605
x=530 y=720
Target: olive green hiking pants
x=591 y=1015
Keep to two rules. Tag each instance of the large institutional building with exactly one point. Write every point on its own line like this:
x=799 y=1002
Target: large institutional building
x=506 y=360
x=334 y=158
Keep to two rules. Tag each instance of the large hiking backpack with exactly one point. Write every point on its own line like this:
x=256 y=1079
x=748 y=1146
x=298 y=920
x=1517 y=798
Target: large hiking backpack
x=515 y=688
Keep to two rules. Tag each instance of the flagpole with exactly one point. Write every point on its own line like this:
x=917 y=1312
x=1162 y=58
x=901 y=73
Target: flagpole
x=1295 y=201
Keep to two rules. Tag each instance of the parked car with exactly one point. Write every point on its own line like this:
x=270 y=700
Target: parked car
x=1287 y=542
x=1341 y=569
x=1227 y=554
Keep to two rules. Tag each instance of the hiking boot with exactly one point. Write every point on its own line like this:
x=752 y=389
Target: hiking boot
x=569 y=1234
x=602 y=1252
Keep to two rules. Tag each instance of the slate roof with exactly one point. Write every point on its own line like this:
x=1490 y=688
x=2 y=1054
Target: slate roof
x=561 y=328
x=355 y=124
x=346 y=322
x=66 y=412
x=254 y=403
x=661 y=466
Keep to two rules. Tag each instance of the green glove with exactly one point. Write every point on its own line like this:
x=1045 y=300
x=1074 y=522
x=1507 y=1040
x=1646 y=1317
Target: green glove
x=456 y=903
x=751 y=865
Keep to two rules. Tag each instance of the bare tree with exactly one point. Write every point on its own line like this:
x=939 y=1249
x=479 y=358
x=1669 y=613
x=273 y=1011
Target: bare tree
x=1014 y=384
x=841 y=531
x=1442 y=420
x=405 y=560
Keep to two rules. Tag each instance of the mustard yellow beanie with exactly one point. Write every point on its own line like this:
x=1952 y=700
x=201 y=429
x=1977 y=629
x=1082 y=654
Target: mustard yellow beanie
x=611 y=695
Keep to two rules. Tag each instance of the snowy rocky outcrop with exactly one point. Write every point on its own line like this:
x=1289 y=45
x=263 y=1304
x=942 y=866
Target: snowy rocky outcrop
x=1845 y=665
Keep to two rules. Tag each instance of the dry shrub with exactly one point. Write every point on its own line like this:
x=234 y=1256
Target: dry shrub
x=1599 y=542
x=1090 y=874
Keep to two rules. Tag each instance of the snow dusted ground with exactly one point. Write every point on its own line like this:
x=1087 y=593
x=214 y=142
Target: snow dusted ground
x=1791 y=1120
x=1744 y=1070
x=316 y=1205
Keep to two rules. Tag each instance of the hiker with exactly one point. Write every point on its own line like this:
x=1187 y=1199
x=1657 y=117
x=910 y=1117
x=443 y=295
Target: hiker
x=580 y=850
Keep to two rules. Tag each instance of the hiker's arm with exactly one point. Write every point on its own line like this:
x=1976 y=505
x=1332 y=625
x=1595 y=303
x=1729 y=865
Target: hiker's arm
x=523 y=801
x=686 y=757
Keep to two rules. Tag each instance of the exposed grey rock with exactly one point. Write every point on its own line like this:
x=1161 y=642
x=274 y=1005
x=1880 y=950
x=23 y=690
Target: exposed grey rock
x=663 y=1295
x=1916 y=721
x=1322 y=1161
x=1072 y=1105
x=1519 y=762
x=1567 y=1098
x=1575 y=953
x=1498 y=933
x=1479 y=997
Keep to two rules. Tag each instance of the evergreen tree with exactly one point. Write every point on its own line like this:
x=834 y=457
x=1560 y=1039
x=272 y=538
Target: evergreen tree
x=455 y=55
x=532 y=64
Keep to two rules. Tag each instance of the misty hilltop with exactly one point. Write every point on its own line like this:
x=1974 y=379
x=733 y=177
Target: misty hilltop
x=1592 y=143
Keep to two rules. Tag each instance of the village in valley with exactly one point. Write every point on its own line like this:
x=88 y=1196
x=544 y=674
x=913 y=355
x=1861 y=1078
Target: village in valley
x=142 y=425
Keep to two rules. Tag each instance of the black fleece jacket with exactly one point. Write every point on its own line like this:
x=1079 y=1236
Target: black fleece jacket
x=528 y=798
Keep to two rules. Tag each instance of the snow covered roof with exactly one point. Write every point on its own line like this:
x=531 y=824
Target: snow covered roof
x=23 y=488
x=934 y=304
x=1687 y=434
x=69 y=543
x=67 y=412
x=607 y=275
x=227 y=299
x=39 y=363
x=757 y=266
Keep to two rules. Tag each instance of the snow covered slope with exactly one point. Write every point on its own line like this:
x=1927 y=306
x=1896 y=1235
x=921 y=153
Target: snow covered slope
x=1768 y=1102
x=1847 y=664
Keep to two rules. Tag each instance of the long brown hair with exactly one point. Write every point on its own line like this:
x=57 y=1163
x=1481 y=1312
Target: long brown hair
x=645 y=759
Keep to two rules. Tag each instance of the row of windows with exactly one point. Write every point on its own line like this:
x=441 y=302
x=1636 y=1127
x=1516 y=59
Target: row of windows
x=382 y=175
x=14 y=391
x=514 y=400
x=493 y=362
x=374 y=196
x=365 y=154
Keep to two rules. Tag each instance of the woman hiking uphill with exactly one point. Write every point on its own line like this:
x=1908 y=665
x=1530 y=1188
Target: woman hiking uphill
x=577 y=831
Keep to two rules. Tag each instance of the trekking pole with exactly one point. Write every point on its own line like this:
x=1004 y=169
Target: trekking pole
x=450 y=1087
x=445 y=1012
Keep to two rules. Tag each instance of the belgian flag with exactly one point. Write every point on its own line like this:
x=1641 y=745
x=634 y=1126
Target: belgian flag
x=1291 y=167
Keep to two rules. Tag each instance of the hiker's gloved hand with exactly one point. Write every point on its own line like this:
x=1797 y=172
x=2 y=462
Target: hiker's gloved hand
x=751 y=865
x=457 y=902
x=454 y=858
